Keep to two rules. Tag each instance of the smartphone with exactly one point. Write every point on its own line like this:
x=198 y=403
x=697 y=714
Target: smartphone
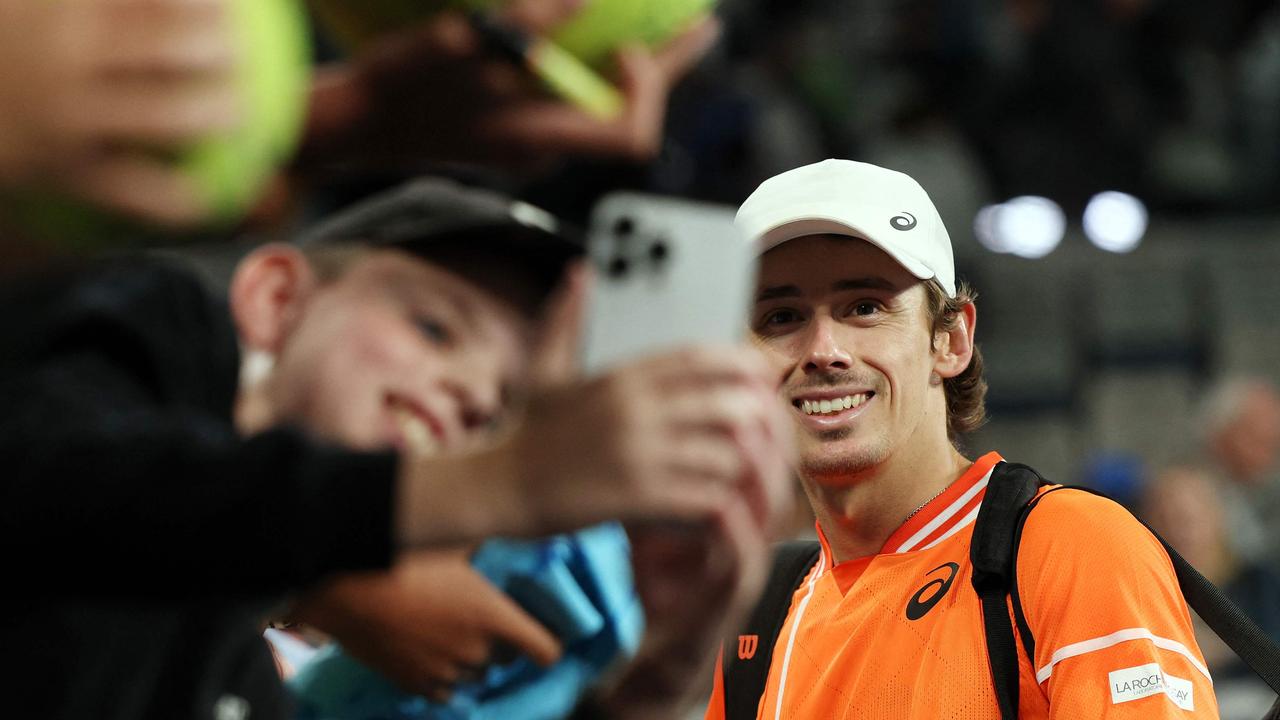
x=669 y=273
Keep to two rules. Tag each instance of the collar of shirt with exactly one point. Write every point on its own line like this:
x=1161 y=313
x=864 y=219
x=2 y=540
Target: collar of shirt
x=940 y=518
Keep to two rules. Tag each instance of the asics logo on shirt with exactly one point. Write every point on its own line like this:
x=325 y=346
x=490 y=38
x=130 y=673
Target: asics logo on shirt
x=926 y=597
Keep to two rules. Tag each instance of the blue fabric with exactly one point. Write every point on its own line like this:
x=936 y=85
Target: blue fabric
x=579 y=585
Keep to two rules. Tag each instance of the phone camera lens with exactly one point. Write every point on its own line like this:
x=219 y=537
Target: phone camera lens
x=658 y=252
x=618 y=267
x=624 y=226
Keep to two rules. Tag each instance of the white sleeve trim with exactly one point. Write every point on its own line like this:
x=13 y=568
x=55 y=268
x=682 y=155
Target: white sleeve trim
x=791 y=640
x=1115 y=638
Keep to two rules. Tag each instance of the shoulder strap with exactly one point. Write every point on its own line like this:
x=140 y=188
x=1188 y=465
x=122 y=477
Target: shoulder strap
x=747 y=656
x=992 y=553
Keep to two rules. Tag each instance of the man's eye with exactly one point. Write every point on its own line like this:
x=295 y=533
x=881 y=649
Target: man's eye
x=864 y=308
x=779 y=317
x=434 y=330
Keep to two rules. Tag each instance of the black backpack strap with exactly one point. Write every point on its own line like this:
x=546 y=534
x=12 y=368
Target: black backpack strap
x=992 y=553
x=747 y=657
x=1225 y=618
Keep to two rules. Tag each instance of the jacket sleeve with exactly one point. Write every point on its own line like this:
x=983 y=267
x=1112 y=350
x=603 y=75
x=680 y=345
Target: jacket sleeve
x=117 y=481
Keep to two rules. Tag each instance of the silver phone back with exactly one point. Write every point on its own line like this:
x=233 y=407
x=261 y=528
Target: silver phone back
x=669 y=273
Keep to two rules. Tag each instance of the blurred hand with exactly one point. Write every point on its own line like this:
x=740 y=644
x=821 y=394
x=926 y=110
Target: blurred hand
x=86 y=83
x=436 y=93
x=672 y=436
x=429 y=623
x=697 y=583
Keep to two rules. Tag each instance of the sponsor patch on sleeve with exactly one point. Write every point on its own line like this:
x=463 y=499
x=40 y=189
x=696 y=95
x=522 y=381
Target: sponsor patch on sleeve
x=1142 y=681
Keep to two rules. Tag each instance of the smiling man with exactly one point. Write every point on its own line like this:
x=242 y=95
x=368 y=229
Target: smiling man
x=872 y=343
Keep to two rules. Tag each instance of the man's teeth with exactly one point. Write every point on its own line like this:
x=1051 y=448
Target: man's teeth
x=417 y=436
x=834 y=405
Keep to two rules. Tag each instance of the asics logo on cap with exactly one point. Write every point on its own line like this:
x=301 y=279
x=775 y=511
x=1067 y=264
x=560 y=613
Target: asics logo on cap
x=906 y=221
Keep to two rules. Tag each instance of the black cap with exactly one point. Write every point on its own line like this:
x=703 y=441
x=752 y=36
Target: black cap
x=439 y=220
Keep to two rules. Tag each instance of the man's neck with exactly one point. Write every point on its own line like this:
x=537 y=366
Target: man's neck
x=859 y=514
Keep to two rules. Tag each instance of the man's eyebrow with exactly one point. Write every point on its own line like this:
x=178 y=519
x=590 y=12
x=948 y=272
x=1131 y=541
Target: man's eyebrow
x=779 y=291
x=864 y=283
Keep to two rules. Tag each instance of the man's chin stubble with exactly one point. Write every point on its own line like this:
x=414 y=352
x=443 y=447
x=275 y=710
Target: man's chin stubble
x=843 y=464
x=835 y=434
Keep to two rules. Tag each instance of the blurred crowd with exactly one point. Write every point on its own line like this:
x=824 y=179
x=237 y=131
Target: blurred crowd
x=1216 y=504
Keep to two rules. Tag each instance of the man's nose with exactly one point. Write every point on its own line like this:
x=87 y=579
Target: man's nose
x=823 y=352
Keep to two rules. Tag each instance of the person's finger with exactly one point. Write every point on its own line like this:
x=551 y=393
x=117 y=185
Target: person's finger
x=704 y=365
x=540 y=16
x=444 y=37
x=139 y=186
x=503 y=79
x=682 y=52
x=158 y=112
x=723 y=408
x=511 y=623
x=554 y=127
x=684 y=497
x=704 y=458
x=740 y=559
x=645 y=87
x=555 y=359
x=759 y=465
x=181 y=54
x=163 y=34
x=437 y=693
x=411 y=669
x=138 y=9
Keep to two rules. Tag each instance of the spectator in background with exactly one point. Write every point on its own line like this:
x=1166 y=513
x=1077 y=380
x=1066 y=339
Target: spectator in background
x=1241 y=422
x=1183 y=504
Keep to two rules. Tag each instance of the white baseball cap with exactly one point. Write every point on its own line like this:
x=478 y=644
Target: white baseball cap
x=841 y=197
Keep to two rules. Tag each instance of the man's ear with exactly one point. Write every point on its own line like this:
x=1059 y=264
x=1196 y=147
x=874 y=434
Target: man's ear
x=954 y=347
x=268 y=291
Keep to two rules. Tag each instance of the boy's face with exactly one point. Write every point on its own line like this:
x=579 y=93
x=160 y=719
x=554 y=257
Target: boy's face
x=397 y=352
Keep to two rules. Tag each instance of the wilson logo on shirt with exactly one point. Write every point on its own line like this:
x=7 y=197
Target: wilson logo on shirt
x=931 y=594
x=747 y=645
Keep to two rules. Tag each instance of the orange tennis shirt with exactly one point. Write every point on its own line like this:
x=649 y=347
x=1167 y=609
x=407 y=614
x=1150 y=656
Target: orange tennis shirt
x=900 y=635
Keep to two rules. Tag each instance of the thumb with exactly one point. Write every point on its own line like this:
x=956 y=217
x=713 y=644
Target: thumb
x=555 y=359
x=509 y=622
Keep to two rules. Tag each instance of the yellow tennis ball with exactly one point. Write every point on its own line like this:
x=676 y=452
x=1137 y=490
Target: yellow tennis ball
x=272 y=76
x=228 y=170
x=596 y=32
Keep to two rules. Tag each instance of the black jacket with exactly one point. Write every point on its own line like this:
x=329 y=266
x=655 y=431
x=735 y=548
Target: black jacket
x=143 y=540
